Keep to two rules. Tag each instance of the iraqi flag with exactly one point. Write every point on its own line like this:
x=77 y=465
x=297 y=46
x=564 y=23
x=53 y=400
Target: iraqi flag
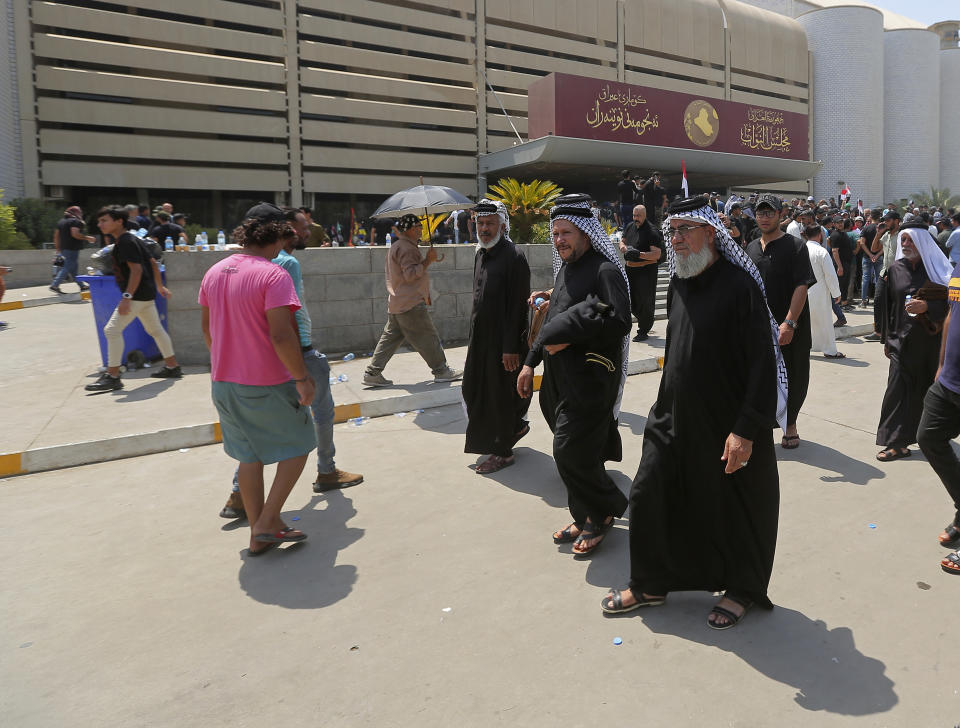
x=683 y=183
x=845 y=192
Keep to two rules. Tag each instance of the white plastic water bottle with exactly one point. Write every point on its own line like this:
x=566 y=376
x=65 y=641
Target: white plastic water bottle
x=905 y=302
x=168 y=243
x=203 y=236
x=349 y=357
x=142 y=233
x=221 y=241
x=389 y=239
x=204 y=244
x=197 y=242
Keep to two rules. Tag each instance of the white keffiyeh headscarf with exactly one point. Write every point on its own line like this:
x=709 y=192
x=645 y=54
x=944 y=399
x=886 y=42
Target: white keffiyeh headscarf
x=591 y=227
x=729 y=249
x=938 y=266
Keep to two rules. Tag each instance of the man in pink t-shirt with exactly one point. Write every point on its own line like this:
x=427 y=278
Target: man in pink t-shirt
x=260 y=384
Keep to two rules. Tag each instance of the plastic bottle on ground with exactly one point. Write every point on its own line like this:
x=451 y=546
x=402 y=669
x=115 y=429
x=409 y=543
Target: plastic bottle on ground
x=343 y=378
x=349 y=357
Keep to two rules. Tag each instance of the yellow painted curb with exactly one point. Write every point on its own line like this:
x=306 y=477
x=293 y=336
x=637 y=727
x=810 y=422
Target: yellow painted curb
x=85 y=295
x=660 y=362
x=11 y=305
x=344 y=412
x=217 y=432
x=537 y=378
x=11 y=463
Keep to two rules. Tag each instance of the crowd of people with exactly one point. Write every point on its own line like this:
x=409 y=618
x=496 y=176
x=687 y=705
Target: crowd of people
x=755 y=285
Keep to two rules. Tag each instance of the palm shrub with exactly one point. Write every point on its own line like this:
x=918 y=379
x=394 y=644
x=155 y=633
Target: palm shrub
x=10 y=238
x=527 y=203
x=36 y=218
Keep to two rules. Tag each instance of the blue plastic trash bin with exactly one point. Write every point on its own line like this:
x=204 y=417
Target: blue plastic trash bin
x=105 y=295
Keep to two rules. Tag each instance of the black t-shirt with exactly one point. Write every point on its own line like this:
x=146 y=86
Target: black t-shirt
x=653 y=196
x=868 y=233
x=67 y=241
x=840 y=241
x=129 y=224
x=626 y=191
x=166 y=230
x=128 y=249
x=783 y=266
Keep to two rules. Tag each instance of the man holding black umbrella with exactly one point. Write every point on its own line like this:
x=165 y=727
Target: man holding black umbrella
x=408 y=289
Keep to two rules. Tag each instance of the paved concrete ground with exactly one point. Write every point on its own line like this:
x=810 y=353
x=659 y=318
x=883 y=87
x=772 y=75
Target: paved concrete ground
x=430 y=596
x=51 y=353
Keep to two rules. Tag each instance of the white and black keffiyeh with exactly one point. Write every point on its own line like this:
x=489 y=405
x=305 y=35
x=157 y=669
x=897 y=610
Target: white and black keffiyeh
x=488 y=207
x=601 y=242
x=731 y=250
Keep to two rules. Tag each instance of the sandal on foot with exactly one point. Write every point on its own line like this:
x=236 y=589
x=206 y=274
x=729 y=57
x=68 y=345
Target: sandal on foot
x=790 y=442
x=263 y=549
x=494 y=463
x=565 y=535
x=892 y=453
x=732 y=619
x=281 y=536
x=613 y=604
x=950 y=538
x=951 y=564
x=838 y=355
x=590 y=532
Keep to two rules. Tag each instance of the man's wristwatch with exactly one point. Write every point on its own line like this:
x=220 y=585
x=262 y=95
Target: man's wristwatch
x=791 y=323
x=127 y=295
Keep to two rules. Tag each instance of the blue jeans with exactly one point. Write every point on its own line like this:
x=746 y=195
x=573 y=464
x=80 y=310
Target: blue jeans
x=322 y=408
x=871 y=274
x=71 y=259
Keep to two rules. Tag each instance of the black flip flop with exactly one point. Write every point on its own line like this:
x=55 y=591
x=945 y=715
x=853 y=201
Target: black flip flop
x=566 y=536
x=790 y=442
x=732 y=619
x=282 y=536
x=616 y=596
x=953 y=540
x=263 y=549
x=599 y=532
x=897 y=454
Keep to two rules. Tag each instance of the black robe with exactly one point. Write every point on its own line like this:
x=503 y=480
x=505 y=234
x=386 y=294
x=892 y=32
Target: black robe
x=643 y=280
x=590 y=310
x=692 y=526
x=498 y=326
x=914 y=355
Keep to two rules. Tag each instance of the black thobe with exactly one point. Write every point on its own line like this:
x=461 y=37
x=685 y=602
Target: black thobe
x=692 y=526
x=498 y=326
x=784 y=265
x=643 y=280
x=914 y=355
x=590 y=311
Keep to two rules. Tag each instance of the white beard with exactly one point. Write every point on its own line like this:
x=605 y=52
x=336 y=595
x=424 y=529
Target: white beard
x=487 y=246
x=694 y=264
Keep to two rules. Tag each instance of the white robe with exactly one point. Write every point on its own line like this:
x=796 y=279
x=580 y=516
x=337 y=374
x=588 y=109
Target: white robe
x=820 y=299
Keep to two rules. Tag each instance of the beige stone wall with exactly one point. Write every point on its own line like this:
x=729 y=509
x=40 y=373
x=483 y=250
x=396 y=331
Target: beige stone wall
x=328 y=96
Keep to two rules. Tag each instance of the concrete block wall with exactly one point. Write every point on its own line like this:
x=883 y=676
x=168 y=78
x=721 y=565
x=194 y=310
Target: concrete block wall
x=35 y=267
x=345 y=294
x=949 y=119
x=848 y=68
x=911 y=79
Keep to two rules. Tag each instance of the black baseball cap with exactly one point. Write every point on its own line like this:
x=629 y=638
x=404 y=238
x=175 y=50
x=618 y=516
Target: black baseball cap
x=891 y=215
x=771 y=201
x=265 y=212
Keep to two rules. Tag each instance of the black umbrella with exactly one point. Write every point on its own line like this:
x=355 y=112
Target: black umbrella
x=423 y=200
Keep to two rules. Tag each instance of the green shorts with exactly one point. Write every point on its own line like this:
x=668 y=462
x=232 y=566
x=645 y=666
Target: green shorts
x=263 y=424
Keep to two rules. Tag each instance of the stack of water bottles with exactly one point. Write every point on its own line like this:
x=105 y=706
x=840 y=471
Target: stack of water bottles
x=200 y=243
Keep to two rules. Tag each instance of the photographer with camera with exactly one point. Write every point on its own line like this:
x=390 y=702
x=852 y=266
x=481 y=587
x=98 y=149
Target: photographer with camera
x=642 y=248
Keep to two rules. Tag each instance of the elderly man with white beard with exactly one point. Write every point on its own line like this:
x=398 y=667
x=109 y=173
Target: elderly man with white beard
x=498 y=342
x=705 y=500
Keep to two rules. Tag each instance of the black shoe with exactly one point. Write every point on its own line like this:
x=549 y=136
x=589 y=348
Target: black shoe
x=168 y=373
x=872 y=337
x=56 y=289
x=640 y=337
x=105 y=383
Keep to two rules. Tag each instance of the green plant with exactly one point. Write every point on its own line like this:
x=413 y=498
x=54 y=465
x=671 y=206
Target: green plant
x=10 y=238
x=194 y=229
x=527 y=203
x=937 y=197
x=36 y=219
x=540 y=233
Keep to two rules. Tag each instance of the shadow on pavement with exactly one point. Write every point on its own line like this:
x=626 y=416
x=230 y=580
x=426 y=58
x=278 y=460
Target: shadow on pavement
x=635 y=422
x=533 y=474
x=305 y=575
x=847 y=362
x=147 y=391
x=447 y=420
x=824 y=665
x=848 y=469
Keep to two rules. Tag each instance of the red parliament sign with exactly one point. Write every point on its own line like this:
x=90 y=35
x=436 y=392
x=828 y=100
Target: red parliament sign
x=591 y=108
